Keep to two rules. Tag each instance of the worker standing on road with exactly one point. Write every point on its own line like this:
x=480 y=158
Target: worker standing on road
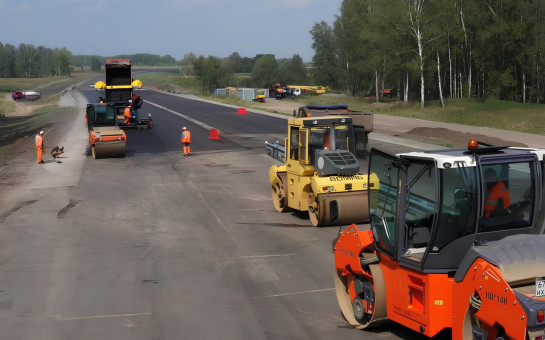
x=127 y=115
x=186 y=141
x=40 y=146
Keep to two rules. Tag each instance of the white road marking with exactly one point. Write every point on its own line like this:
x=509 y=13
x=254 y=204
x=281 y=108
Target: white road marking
x=60 y=317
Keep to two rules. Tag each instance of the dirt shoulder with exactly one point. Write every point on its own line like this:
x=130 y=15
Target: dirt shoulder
x=17 y=132
x=435 y=133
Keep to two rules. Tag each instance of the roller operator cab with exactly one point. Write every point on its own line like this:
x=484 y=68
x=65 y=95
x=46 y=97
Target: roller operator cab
x=362 y=122
x=106 y=138
x=320 y=170
x=456 y=242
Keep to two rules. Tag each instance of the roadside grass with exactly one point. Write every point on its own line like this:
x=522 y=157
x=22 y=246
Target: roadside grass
x=24 y=84
x=168 y=80
x=6 y=105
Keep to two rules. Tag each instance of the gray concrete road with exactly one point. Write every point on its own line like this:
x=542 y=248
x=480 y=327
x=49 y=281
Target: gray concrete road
x=160 y=246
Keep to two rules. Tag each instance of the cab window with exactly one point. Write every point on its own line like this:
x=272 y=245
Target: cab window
x=458 y=205
x=420 y=208
x=508 y=191
x=384 y=208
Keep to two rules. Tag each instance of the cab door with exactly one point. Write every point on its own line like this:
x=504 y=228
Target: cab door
x=383 y=210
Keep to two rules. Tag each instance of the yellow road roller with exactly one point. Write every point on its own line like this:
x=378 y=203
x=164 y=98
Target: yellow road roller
x=320 y=174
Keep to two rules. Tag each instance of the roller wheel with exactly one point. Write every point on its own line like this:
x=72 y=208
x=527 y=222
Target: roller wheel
x=354 y=311
x=279 y=198
x=471 y=320
x=316 y=218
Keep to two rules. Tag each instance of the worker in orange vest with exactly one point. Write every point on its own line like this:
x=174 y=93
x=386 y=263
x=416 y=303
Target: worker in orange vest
x=327 y=142
x=186 y=141
x=40 y=146
x=127 y=115
x=496 y=194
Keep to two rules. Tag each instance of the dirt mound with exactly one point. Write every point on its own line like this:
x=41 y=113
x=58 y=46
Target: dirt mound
x=446 y=137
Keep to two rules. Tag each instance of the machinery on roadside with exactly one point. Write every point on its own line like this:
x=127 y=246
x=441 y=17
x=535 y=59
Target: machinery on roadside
x=259 y=96
x=309 y=89
x=320 y=168
x=362 y=122
x=106 y=138
x=28 y=95
x=119 y=91
x=456 y=242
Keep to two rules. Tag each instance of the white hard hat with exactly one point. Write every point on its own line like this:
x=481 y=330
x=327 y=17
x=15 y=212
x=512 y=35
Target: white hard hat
x=41 y=132
x=184 y=128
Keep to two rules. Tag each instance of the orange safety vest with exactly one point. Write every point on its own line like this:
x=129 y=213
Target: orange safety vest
x=127 y=112
x=491 y=202
x=327 y=142
x=39 y=141
x=186 y=137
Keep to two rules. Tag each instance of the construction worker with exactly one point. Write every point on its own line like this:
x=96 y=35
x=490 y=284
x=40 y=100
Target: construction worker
x=40 y=146
x=57 y=151
x=497 y=195
x=327 y=142
x=127 y=115
x=186 y=141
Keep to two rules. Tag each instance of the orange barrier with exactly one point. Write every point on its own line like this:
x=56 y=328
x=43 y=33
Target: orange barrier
x=214 y=134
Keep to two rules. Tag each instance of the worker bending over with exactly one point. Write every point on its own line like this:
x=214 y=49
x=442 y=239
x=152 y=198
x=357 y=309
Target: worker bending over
x=57 y=151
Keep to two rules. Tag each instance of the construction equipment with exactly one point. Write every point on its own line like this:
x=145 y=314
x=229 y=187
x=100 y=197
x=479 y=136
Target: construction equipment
x=259 y=96
x=314 y=89
x=28 y=95
x=119 y=91
x=106 y=138
x=362 y=122
x=320 y=168
x=278 y=91
x=434 y=261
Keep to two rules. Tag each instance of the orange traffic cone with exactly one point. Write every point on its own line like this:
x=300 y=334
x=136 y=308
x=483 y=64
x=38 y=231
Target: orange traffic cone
x=241 y=111
x=214 y=134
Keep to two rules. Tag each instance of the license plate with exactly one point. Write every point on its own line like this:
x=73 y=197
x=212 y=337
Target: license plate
x=540 y=286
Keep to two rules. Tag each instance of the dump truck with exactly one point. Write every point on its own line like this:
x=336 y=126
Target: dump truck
x=444 y=252
x=361 y=121
x=319 y=168
x=106 y=138
x=119 y=89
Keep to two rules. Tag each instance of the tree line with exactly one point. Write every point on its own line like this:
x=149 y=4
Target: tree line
x=263 y=70
x=432 y=49
x=28 y=61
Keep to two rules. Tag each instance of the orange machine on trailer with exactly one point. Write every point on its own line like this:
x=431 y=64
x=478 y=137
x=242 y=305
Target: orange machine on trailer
x=434 y=259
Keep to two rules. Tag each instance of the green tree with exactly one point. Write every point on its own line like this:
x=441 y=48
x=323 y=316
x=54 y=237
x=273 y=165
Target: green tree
x=61 y=62
x=326 y=68
x=95 y=63
x=265 y=69
x=209 y=71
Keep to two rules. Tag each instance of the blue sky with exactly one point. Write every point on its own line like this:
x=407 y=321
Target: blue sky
x=175 y=27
